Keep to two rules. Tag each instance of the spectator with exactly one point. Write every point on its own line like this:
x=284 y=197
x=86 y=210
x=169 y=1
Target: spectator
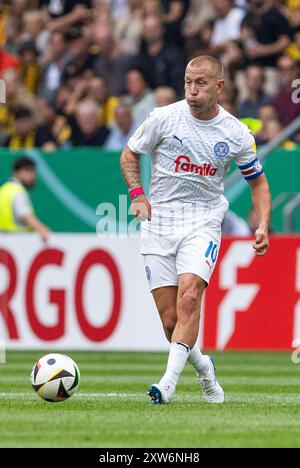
x=174 y=14
x=267 y=112
x=52 y=73
x=35 y=30
x=27 y=134
x=30 y=70
x=265 y=33
x=98 y=91
x=200 y=13
x=271 y=130
x=16 y=95
x=79 y=46
x=12 y=29
x=220 y=37
x=112 y=63
x=227 y=26
x=87 y=129
x=139 y=96
x=74 y=90
x=128 y=30
x=64 y=14
x=254 y=81
x=289 y=71
x=164 y=96
x=165 y=64
x=124 y=128
x=16 y=211
x=57 y=124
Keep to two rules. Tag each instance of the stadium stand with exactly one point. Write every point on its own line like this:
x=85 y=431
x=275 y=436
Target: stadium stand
x=63 y=50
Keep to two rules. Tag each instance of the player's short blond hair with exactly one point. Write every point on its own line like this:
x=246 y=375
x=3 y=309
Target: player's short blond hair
x=208 y=59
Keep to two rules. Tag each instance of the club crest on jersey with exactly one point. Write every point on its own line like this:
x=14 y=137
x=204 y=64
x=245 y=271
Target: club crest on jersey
x=221 y=149
x=183 y=163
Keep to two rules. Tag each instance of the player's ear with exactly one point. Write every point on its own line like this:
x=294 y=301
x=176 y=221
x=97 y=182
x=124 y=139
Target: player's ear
x=220 y=86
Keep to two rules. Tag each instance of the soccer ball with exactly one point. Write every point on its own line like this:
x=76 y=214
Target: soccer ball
x=55 y=377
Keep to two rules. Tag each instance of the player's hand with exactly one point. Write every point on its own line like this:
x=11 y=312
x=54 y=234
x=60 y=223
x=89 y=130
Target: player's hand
x=44 y=233
x=141 y=208
x=261 y=243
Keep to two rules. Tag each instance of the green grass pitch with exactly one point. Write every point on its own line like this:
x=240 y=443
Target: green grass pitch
x=111 y=408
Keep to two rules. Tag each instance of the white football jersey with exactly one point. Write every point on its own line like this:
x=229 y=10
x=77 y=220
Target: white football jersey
x=190 y=157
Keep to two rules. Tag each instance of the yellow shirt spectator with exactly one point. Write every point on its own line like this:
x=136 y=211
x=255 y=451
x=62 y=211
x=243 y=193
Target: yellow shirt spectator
x=3 y=17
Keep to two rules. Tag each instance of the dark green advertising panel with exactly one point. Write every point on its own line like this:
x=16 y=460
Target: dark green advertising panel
x=73 y=183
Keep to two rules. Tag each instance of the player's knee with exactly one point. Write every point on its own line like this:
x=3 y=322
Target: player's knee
x=188 y=301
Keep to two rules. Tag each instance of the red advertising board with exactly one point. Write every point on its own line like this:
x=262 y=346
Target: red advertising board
x=254 y=302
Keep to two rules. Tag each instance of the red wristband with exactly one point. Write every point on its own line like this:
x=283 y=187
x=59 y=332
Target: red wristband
x=136 y=192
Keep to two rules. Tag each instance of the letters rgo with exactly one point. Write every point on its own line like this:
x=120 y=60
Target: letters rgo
x=57 y=297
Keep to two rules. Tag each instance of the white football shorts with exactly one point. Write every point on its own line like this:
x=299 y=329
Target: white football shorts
x=181 y=238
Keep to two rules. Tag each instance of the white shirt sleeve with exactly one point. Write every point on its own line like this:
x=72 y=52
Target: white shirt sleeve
x=147 y=135
x=249 y=166
x=22 y=206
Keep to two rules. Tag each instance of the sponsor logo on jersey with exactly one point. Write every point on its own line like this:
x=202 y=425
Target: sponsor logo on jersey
x=179 y=139
x=183 y=163
x=221 y=149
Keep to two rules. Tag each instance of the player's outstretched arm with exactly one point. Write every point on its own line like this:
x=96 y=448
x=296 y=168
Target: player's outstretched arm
x=261 y=199
x=130 y=165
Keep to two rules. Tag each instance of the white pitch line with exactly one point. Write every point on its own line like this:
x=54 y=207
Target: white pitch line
x=79 y=395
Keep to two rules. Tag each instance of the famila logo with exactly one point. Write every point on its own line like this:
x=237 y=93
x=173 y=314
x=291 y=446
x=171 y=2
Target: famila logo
x=183 y=163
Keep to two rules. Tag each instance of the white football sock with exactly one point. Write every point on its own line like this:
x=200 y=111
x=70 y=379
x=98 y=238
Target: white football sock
x=198 y=361
x=179 y=352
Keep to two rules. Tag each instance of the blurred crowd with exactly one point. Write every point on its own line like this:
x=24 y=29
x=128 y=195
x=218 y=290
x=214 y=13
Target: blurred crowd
x=88 y=72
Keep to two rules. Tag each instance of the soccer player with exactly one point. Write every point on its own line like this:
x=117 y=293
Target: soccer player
x=192 y=143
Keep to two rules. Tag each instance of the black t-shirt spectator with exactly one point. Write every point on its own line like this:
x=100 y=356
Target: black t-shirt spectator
x=164 y=69
x=267 y=29
x=173 y=33
x=37 y=139
x=78 y=138
x=57 y=8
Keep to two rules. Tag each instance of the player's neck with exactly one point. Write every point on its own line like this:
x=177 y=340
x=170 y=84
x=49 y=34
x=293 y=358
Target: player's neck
x=205 y=115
